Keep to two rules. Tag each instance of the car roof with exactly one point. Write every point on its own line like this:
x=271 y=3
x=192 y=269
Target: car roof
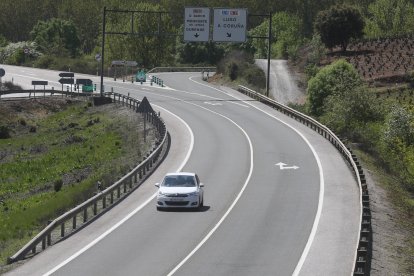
x=181 y=173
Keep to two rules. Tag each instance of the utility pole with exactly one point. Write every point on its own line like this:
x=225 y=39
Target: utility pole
x=103 y=50
x=269 y=47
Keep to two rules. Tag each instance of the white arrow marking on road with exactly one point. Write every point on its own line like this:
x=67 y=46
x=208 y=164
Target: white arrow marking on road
x=283 y=166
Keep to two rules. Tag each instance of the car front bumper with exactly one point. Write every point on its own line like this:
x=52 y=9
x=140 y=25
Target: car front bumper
x=166 y=201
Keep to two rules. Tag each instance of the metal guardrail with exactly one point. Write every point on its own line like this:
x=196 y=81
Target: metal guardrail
x=89 y=210
x=47 y=92
x=181 y=69
x=363 y=254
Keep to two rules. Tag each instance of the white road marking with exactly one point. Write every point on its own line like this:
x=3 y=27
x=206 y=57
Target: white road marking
x=191 y=79
x=284 y=166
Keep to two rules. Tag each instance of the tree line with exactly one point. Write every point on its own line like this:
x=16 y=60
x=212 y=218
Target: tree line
x=72 y=28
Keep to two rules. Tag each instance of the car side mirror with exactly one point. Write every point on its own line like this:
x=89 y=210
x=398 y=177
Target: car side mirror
x=201 y=185
x=157 y=185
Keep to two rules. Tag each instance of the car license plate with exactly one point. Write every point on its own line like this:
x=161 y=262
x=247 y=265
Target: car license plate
x=176 y=199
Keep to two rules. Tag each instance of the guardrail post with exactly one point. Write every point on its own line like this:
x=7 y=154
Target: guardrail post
x=119 y=192
x=85 y=214
x=95 y=208
x=74 y=222
x=49 y=238
x=44 y=243
x=112 y=197
x=62 y=229
x=104 y=202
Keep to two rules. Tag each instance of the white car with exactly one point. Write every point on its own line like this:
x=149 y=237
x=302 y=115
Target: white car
x=183 y=190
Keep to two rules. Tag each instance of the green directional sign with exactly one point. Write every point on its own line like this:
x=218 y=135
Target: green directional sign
x=87 y=88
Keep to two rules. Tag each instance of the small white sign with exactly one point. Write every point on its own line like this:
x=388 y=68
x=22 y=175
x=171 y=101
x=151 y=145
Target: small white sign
x=197 y=24
x=230 y=25
x=131 y=63
x=118 y=62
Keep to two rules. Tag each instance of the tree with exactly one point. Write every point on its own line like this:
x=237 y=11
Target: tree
x=389 y=18
x=198 y=52
x=286 y=30
x=56 y=36
x=338 y=25
x=337 y=78
x=146 y=47
x=3 y=41
x=87 y=16
x=399 y=126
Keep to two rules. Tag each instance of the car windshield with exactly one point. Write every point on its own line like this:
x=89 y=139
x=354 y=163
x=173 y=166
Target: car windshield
x=178 y=181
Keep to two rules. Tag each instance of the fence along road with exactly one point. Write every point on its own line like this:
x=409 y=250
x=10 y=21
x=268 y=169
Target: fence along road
x=269 y=227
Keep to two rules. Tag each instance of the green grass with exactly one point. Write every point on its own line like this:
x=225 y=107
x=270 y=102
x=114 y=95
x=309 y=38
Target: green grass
x=65 y=145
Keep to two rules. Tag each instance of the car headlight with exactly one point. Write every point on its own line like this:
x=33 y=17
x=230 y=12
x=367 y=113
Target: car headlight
x=161 y=194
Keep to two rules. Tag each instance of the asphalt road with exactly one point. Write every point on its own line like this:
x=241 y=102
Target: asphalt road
x=261 y=217
x=283 y=86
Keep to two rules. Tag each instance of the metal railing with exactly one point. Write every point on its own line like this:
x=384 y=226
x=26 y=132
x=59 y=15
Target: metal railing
x=80 y=216
x=362 y=263
x=181 y=69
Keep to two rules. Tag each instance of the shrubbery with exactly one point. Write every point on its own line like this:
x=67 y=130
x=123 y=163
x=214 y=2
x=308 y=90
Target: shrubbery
x=14 y=53
x=339 y=99
x=334 y=80
x=286 y=35
x=338 y=25
x=239 y=66
x=85 y=64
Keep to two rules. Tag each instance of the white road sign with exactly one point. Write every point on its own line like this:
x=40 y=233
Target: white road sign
x=196 y=24
x=230 y=25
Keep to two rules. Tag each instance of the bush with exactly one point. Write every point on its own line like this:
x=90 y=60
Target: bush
x=57 y=185
x=11 y=86
x=335 y=79
x=388 y=18
x=255 y=76
x=4 y=132
x=14 y=54
x=338 y=25
x=44 y=62
x=233 y=71
x=85 y=64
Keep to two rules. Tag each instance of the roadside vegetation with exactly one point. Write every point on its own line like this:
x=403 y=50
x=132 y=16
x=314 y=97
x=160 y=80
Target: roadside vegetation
x=52 y=153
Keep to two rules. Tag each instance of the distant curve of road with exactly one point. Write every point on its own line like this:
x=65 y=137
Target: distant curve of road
x=261 y=216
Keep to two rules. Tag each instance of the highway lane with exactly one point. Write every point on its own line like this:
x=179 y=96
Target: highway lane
x=270 y=195
x=269 y=226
